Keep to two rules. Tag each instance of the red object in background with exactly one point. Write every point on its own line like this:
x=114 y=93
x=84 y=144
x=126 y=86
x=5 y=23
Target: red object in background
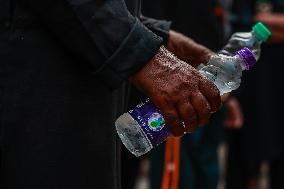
x=170 y=178
x=219 y=11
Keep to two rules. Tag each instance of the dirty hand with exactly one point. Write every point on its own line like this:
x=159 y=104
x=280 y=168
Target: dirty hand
x=185 y=98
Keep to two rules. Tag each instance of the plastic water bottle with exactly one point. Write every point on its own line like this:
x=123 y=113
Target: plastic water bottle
x=144 y=127
x=252 y=40
x=226 y=71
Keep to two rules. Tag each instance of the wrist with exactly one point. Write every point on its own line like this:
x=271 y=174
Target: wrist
x=188 y=50
x=162 y=57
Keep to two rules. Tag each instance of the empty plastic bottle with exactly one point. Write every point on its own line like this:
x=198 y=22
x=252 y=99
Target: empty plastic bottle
x=144 y=127
x=252 y=40
x=226 y=71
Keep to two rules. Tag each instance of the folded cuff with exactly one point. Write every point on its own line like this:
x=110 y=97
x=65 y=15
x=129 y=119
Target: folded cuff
x=135 y=51
x=159 y=27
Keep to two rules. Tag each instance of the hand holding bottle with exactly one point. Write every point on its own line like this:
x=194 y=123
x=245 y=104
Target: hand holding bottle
x=184 y=97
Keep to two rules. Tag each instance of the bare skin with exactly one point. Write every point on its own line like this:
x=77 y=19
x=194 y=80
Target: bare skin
x=185 y=98
x=188 y=50
x=275 y=23
x=193 y=53
x=234 y=118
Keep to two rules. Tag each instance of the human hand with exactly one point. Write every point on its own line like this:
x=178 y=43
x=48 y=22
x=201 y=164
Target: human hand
x=234 y=118
x=185 y=98
x=188 y=50
x=265 y=17
x=275 y=23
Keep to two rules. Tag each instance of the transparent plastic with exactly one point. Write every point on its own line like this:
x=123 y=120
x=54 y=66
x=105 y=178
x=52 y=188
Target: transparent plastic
x=224 y=71
x=132 y=136
x=240 y=40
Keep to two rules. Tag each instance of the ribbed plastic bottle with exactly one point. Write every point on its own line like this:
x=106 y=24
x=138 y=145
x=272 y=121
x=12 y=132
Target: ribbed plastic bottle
x=144 y=127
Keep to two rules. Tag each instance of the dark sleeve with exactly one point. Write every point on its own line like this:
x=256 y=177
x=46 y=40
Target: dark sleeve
x=159 y=27
x=101 y=33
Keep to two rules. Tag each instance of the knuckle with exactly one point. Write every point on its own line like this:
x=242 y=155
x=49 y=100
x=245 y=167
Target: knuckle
x=165 y=98
x=195 y=95
x=180 y=91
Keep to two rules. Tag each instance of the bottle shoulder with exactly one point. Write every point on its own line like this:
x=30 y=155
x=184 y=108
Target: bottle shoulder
x=245 y=35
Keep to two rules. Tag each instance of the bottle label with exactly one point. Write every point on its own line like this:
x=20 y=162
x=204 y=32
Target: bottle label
x=151 y=121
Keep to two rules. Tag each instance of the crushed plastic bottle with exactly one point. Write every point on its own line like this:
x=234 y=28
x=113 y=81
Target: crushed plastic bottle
x=252 y=40
x=143 y=128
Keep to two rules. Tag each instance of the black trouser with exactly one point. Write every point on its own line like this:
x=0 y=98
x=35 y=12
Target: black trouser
x=277 y=173
x=240 y=166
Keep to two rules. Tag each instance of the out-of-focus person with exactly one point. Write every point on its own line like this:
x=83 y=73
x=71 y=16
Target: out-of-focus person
x=260 y=139
x=272 y=75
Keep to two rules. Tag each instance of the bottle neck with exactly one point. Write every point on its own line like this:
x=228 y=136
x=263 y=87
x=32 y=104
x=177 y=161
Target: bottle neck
x=246 y=57
x=255 y=37
x=246 y=61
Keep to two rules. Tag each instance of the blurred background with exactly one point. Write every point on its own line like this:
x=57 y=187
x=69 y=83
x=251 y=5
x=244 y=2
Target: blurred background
x=242 y=147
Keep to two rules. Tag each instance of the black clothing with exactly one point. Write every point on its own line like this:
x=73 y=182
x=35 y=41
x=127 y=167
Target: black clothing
x=87 y=28
x=276 y=173
x=192 y=18
x=271 y=140
x=59 y=60
x=260 y=93
x=243 y=155
x=261 y=96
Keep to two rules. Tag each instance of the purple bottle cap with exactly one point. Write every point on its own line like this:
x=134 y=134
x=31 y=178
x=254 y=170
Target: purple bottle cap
x=248 y=57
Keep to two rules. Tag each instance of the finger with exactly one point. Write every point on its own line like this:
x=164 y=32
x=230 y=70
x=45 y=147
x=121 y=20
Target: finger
x=172 y=119
x=188 y=115
x=205 y=54
x=211 y=93
x=201 y=107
